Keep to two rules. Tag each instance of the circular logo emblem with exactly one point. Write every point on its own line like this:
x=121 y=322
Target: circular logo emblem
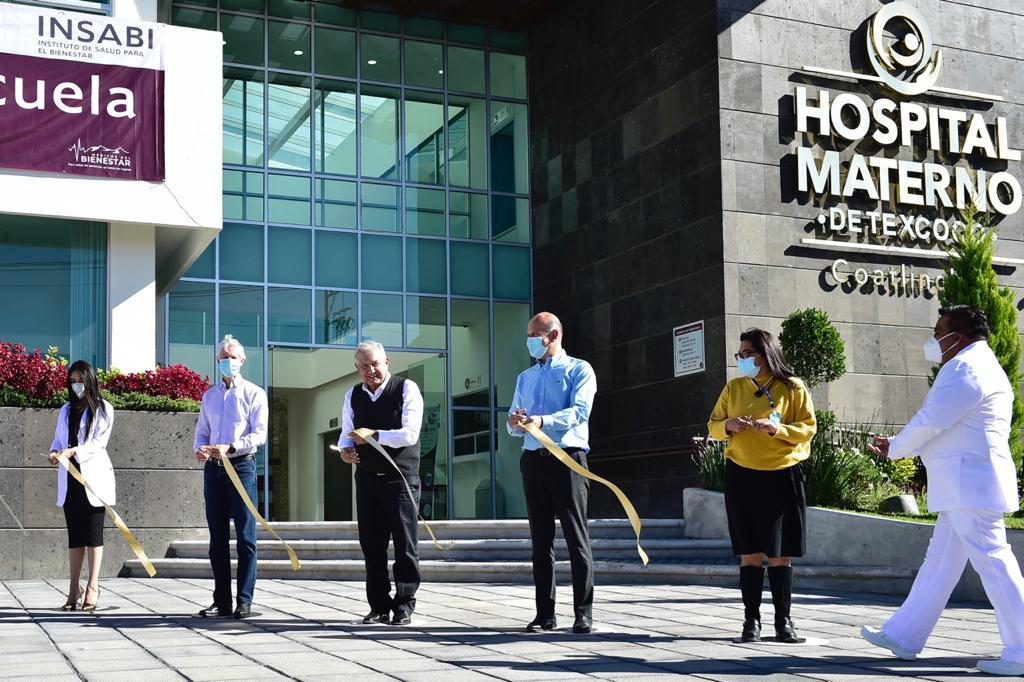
x=900 y=49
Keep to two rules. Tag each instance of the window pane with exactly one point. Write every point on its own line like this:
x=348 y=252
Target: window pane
x=467 y=141
x=468 y=215
x=378 y=120
x=425 y=261
x=241 y=315
x=291 y=9
x=465 y=69
x=379 y=21
x=288 y=136
x=335 y=52
x=471 y=366
x=510 y=356
x=336 y=317
x=461 y=33
x=380 y=58
x=204 y=266
x=424 y=28
x=512 y=272
x=336 y=204
x=333 y=14
x=382 y=319
x=243 y=39
x=243 y=117
x=194 y=18
x=241 y=252
x=288 y=199
x=424 y=211
x=382 y=263
x=424 y=138
x=508 y=40
x=289 y=256
x=469 y=268
x=336 y=260
x=243 y=195
x=426 y=322
x=509 y=147
x=472 y=438
x=424 y=64
x=243 y=5
x=380 y=208
x=288 y=46
x=508 y=75
x=511 y=502
x=288 y=315
x=335 y=127
x=190 y=327
x=510 y=219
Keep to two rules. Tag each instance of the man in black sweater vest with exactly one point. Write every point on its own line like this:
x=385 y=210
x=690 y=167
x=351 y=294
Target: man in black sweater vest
x=393 y=407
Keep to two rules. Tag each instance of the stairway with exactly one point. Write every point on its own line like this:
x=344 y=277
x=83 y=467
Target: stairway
x=499 y=551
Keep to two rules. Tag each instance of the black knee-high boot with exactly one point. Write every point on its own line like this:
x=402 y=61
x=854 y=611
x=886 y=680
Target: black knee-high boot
x=751 y=587
x=780 y=580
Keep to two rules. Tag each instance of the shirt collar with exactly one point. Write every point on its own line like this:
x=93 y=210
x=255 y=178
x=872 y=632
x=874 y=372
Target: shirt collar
x=235 y=383
x=557 y=360
x=374 y=394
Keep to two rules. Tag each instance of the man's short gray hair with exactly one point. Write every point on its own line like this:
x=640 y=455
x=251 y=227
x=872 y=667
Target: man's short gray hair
x=229 y=342
x=369 y=347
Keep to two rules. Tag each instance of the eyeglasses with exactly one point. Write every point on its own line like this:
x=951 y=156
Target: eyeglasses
x=745 y=354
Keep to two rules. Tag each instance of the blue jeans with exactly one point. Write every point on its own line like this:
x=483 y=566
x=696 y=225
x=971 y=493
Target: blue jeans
x=223 y=504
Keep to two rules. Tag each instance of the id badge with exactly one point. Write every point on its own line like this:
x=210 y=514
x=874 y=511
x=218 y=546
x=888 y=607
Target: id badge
x=775 y=417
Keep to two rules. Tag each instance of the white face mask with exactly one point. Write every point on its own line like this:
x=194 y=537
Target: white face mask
x=79 y=389
x=933 y=351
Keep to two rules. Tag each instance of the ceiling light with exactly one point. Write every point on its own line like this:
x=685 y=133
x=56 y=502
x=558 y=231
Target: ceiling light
x=371 y=62
x=297 y=53
x=440 y=70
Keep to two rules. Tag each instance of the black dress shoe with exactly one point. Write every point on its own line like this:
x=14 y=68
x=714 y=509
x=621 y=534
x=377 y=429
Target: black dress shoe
x=214 y=611
x=242 y=611
x=539 y=623
x=785 y=633
x=751 y=630
x=582 y=626
x=401 y=617
x=376 y=617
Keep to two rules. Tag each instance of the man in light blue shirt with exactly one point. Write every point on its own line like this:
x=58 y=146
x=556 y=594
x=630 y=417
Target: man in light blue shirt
x=233 y=424
x=556 y=395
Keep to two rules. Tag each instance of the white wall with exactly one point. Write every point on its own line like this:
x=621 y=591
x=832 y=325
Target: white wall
x=131 y=297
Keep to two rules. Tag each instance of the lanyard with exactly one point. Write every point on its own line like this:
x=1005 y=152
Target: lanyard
x=766 y=392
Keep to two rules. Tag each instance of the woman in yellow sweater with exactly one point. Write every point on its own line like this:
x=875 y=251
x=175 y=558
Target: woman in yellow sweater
x=768 y=418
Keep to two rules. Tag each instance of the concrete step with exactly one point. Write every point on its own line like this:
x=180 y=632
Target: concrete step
x=478 y=549
x=875 y=579
x=471 y=529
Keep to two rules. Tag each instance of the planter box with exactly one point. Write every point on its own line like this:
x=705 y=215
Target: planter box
x=837 y=538
x=159 y=490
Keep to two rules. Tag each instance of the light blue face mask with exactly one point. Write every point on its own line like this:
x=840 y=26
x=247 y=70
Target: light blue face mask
x=229 y=367
x=535 y=346
x=748 y=367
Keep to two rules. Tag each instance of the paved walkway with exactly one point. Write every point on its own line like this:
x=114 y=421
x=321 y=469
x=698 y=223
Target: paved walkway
x=309 y=630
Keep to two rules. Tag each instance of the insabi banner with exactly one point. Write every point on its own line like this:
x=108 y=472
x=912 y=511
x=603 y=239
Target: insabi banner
x=81 y=94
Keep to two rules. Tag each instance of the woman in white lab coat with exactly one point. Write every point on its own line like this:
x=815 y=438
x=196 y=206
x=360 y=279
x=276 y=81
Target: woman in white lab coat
x=81 y=435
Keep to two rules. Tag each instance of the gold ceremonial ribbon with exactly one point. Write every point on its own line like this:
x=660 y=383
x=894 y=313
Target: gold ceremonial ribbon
x=568 y=461
x=366 y=434
x=233 y=475
x=121 y=526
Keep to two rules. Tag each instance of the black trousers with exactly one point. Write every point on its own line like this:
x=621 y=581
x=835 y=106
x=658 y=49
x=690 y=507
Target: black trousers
x=387 y=514
x=553 y=491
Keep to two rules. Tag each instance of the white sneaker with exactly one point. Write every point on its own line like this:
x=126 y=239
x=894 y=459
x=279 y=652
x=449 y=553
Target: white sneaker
x=880 y=639
x=1001 y=666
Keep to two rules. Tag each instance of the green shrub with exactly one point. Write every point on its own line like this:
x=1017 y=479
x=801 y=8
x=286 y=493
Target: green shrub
x=151 y=403
x=710 y=460
x=813 y=347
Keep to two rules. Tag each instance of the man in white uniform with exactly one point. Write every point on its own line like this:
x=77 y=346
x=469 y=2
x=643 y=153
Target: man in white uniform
x=962 y=434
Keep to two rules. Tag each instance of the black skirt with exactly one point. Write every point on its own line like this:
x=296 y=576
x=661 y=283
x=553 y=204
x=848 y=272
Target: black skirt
x=84 y=521
x=766 y=510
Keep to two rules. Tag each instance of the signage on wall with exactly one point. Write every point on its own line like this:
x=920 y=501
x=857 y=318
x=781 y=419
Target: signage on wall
x=688 y=346
x=951 y=158
x=81 y=94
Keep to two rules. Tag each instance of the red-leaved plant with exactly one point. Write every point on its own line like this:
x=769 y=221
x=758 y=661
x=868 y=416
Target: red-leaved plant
x=34 y=374
x=173 y=381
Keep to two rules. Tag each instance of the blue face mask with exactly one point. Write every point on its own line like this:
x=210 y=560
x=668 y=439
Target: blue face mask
x=748 y=367
x=229 y=367
x=535 y=346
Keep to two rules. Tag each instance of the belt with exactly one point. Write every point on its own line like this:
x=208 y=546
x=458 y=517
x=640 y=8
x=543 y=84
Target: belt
x=235 y=460
x=543 y=452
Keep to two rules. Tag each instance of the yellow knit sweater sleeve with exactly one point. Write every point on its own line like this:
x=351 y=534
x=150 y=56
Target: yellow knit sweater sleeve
x=720 y=415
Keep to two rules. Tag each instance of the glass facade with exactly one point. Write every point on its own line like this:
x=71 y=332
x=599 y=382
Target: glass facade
x=375 y=187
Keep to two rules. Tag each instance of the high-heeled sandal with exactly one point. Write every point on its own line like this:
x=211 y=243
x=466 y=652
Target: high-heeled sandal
x=89 y=608
x=72 y=604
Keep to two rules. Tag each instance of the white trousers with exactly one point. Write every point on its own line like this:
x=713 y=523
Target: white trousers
x=962 y=534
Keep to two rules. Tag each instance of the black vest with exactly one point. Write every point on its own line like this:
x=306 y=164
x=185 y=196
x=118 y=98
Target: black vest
x=385 y=413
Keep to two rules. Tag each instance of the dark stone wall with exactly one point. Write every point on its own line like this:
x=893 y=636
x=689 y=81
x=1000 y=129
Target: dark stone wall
x=627 y=225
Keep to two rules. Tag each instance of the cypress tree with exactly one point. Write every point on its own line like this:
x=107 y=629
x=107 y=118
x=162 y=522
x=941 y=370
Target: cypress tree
x=971 y=280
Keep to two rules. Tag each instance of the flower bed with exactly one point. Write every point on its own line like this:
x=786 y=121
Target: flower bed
x=38 y=379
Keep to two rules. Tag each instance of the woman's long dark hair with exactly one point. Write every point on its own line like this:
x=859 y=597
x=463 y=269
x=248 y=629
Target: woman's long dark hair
x=765 y=344
x=90 y=402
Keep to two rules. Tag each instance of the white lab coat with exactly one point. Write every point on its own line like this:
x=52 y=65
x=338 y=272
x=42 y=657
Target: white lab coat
x=962 y=435
x=91 y=451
